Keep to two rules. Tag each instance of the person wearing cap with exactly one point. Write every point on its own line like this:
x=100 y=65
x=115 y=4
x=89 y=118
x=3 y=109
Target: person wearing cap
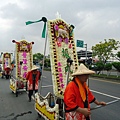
x=32 y=77
x=77 y=96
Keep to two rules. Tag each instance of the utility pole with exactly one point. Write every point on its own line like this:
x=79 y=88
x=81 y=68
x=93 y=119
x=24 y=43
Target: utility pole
x=86 y=53
x=44 y=35
x=86 y=61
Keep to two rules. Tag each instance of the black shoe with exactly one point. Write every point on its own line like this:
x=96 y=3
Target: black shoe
x=29 y=100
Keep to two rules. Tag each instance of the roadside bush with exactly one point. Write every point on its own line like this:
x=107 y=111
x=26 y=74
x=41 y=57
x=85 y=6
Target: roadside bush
x=116 y=65
x=108 y=66
x=99 y=67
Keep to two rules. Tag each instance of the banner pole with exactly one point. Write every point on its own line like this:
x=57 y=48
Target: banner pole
x=99 y=106
x=43 y=62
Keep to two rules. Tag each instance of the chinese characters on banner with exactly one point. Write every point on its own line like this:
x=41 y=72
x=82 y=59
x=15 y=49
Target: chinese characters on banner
x=24 y=59
x=6 y=60
x=62 y=47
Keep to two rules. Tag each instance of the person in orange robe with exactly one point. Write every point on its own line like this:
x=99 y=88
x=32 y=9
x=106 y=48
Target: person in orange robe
x=77 y=96
x=32 y=77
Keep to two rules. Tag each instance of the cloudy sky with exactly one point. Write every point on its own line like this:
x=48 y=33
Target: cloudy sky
x=94 y=21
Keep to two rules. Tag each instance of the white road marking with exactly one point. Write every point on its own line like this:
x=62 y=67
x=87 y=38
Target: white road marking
x=106 y=94
x=44 y=76
x=47 y=86
x=104 y=80
x=108 y=103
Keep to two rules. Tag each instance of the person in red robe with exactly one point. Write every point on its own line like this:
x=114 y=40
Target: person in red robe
x=33 y=77
x=7 y=72
x=77 y=96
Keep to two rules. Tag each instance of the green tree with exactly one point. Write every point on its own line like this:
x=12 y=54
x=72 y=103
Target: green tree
x=99 y=66
x=117 y=66
x=108 y=67
x=118 y=55
x=37 y=57
x=104 y=50
x=47 y=62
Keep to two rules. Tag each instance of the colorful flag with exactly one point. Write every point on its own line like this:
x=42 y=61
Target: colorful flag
x=44 y=27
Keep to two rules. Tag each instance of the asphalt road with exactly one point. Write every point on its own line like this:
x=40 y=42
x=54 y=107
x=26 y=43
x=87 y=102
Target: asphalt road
x=105 y=91
x=12 y=107
x=15 y=108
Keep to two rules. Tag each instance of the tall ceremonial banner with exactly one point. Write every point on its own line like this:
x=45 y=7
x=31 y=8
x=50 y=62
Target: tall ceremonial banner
x=24 y=58
x=6 y=60
x=62 y=47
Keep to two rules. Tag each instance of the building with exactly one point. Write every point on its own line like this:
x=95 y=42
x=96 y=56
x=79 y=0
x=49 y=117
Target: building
x=84 y=54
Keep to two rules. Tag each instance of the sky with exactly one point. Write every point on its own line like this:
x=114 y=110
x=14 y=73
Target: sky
x=94 y=21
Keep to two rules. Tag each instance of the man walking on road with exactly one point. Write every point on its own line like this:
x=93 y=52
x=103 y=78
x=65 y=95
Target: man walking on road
x=32 y=77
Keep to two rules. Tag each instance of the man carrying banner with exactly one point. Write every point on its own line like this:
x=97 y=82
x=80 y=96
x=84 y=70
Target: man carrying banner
x=33 y=77
x=77 y=96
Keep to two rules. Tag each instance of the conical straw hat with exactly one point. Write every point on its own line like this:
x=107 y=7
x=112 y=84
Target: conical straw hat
x=82 y=69
x=7 y=66
x=34 y=67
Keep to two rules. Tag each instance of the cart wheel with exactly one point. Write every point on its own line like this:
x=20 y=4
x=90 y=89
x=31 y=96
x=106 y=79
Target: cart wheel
x=16 y=94
x=39 y=115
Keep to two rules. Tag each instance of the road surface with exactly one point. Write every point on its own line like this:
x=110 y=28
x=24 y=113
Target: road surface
x=12 y=107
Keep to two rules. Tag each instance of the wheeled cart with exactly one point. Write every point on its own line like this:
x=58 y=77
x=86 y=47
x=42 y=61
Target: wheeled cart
x=24 y=63
x=64 y=62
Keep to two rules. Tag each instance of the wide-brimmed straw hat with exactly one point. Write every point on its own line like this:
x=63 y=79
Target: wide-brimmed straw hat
x=82 y=69
x=34 y=67
x=7 y=66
